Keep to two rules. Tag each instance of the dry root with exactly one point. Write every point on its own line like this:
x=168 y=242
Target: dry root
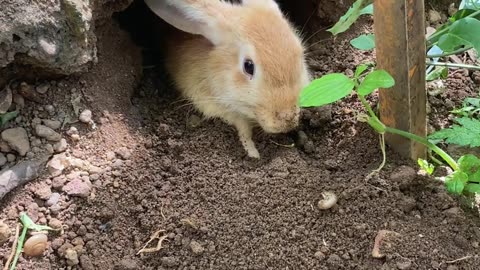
x=154 y=236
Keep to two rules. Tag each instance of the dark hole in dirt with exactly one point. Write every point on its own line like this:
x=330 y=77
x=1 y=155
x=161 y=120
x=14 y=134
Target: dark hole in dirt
x=16 y=38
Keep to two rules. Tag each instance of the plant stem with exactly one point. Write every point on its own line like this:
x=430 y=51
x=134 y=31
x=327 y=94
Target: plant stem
x=443 y=64
x=21 y=240
x=449 y=53
x=451 y=162
x=438 y=33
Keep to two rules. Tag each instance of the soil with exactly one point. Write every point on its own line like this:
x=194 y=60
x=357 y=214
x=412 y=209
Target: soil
x=164 y=168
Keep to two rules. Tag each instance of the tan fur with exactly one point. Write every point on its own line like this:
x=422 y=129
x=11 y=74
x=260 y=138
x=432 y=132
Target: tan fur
x=212 y=78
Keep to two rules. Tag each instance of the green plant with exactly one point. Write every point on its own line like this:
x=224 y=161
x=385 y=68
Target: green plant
x=27 y=224
x=470 y=108
x=335 y=86
x=459 y=34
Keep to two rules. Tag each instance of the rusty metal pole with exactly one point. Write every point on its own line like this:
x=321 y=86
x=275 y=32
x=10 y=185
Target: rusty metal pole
x=400 y=50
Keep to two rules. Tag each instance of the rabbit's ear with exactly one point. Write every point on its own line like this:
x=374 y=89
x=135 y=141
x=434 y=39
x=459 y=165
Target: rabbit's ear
x=201 y=17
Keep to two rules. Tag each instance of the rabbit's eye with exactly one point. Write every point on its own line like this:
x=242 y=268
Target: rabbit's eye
x=249 y=67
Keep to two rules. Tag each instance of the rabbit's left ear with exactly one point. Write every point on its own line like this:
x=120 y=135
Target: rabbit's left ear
x=209 y=18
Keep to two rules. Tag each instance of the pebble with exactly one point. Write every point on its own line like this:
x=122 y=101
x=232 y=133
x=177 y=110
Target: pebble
x=434 y=16
x=85 y=116
x=3 y=159
x=86 y=263
x=17 y=139
x=4 y=233
x=50 y=109
x=54 y=199
x=72 y=257
x=11 y=157
x=55 y=223
x=110 y=155
x=60 y=146
x=43 y=88
x=77 y=188
x=19 y=101
x=53 y=124
x=44 y=193
x=124 y=153
x=197 y=249
x=57 y=243
x=6 y=99
x=47 y=133
x=57 y=164
x=72 y=131
x=4 y=147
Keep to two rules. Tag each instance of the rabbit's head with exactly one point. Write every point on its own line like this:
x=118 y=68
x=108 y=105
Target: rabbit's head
x=256 y=66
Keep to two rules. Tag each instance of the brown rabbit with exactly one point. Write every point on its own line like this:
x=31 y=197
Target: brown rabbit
x=243 y=63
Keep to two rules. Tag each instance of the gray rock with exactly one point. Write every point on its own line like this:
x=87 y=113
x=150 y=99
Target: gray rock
x=3 y=159
x=6 y=99
x=53 y=124
x=17 y=139
x=47 y=133
x=54 y=199
x=60 y=146
x=124 y=152
x=85 y=116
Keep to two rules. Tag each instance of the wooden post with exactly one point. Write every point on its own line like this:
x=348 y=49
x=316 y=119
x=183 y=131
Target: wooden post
x=400 y=48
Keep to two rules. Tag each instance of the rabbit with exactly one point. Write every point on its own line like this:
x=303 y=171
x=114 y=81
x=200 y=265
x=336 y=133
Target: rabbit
x=243 y=63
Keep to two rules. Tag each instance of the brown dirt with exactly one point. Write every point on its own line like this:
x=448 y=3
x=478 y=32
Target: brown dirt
x=243 y=214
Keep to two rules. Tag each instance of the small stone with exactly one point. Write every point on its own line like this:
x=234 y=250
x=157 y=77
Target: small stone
x=86 y=116
x=11 y=157
x=4 y=147
x=58 y=182
x=54 y=199
x=77 y=188
x=55 y=223
x=43 y=193
x=57 y=164
x=309 y=147
x=170 y=261
x=6 y=99
x=124 y=153
x=43 y=88
x=404 y=264
x=53 y=124
x=57 y=243
x=47 y=133
x=197 y=249
x=60 y=146
x=17 y=139
x=4 y=233
x=72 y=257
x=86 y=263
x=50 y=109
x=118 y=163
x=3 y=159
x=75 y=137
x=29 y=93
x=434 y=16
x=72 y=131
x=110 y=155
x=19 y=101
x=319 y=255
x=383 y=243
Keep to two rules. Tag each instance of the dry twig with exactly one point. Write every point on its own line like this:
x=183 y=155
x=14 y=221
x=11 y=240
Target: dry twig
x=14 y=248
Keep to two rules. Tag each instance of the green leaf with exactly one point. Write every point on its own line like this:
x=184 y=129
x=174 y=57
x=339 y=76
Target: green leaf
x=364 y=42
x=455 y=182
x=6 y=117
x=29 y=224
x=326 y=89
x=470 y=164
x=465 y=133
x=374 y=80
x=367 y=10
x=355 y=11
x=360 y=69
x=464 y=32
x=472 y=188
x=438 y=73
x=427 y=167
x=469 y=4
